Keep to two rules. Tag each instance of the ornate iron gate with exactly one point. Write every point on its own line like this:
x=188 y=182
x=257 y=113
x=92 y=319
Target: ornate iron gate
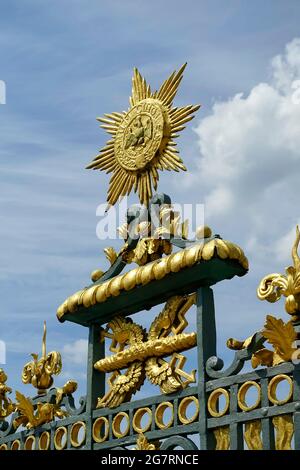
x=208 y=406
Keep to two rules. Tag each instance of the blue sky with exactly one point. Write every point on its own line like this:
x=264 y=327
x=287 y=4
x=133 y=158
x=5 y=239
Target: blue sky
x=64 y=63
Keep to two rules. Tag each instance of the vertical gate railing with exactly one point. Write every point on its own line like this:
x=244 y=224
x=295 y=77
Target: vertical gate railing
x=214 y=412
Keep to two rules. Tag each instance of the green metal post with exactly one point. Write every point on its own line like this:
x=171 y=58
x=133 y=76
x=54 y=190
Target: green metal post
x=95 y=379
x=206 y=337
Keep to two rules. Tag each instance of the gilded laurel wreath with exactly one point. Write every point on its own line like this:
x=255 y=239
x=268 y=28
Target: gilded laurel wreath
x=138 y=355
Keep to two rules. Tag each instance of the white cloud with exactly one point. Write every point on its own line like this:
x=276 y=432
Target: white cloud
x=250 y=157
x=219 y=200
x=286 y=68
x=75 y=353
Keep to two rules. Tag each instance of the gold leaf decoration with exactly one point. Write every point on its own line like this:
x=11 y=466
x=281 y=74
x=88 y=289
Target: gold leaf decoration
x=145 y=355
x=142 y=443
x=281 y=335
x=110 y=254
x=284 y=427
x=252 y=435
x=45 y=412
x=262 y=357
x=123 y=231
x=222 y=436
x=140 y=251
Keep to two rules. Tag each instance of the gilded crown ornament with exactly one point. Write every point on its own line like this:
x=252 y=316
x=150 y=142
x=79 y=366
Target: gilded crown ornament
x=143 y=139
x=39 y=372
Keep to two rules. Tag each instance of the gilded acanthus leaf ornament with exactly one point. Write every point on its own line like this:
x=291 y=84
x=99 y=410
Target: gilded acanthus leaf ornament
x=252 y=435
x=222 y=437
x=275 y=285
x=143 y=139
x=32 y=416
x=282 y=336
x=39 y=372
x=284 y=427
x=142 y=443
x=7 y=407
x=144 y=355
x=110 y=254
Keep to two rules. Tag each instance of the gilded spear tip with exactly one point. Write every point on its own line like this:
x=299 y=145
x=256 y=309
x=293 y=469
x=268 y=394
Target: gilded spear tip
x=44 y=341
x=295 y=255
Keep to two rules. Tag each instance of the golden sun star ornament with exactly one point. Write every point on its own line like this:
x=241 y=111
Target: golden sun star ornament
x=142 y=139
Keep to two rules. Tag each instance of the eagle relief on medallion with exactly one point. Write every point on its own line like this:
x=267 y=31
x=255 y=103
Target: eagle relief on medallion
x=140 y=135
x=143 y=139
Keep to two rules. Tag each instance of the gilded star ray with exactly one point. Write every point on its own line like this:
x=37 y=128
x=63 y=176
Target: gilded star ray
x=143 y=139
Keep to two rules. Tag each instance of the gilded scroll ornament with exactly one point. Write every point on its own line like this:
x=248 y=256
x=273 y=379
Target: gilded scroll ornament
x=252 y=435
x=143 y=139
x=7 y=407
x=144 y=355
x=222 y=436
x=39 y=372
x=284 y=427
x=68 y=389
x=275 y=285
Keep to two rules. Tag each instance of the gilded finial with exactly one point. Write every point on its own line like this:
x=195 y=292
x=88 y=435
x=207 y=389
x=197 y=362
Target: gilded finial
x=39 y=371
